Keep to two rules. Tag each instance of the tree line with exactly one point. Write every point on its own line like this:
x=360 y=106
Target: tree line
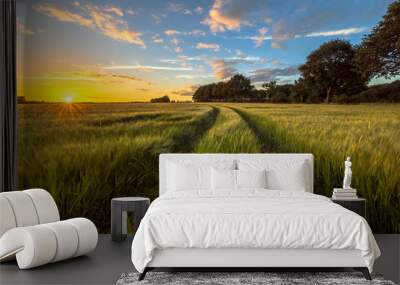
x=335 y=72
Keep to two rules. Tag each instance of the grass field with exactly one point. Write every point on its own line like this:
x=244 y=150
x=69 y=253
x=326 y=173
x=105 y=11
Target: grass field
x=85 y=154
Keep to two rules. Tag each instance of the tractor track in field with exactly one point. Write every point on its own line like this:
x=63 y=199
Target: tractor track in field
x=258 y=133
x=229 y=134
x=186 y=141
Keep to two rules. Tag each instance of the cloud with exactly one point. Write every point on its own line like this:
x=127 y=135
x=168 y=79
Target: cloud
x=276 y=44
x=218 y=22
x=143 y=89
x=341 y=32
x=178 y=8
x=174 y=7
x=175 y=41
x=88 y=76
x=147 y=67
x=275 y=62
x=187 y=12
x=24 y=29
x=130 y=77
x=229 y=15
x=170 y=61
x=63 y=15
x=223 y=69
x=268 y=74
x=189 y=76
x=260 y=38
x=199 y=10
x=157 y=39
x=242 y=58
x=191 y=58
x=131 y=12
x=178 y=49
x=113 y=9
x=96 y=18
x=181 y=59
x=171 y=33
x=195 y=33
x=214 y=47
x=309 y=18
x=188 y=91
x=280 y=36
x=157 y=19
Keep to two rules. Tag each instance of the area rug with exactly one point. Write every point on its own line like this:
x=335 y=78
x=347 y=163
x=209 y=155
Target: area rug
x=244 y=278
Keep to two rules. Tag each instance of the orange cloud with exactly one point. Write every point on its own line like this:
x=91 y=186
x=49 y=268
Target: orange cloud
x=222 y=69
x=113 y=9
x=218 y=21
x=98 y=19
x=114 y=28
x=63 y=15
x=214 y=47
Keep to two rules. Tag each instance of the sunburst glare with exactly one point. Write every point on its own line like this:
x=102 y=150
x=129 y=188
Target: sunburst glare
x=68 y=99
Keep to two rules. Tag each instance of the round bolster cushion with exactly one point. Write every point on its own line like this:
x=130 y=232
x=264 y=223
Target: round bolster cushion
x=37 y=245
x=87 y=235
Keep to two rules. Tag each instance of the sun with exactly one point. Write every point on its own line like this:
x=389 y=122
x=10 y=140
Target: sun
x=68 y=99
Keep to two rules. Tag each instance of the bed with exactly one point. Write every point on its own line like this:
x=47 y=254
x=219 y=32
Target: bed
x=245 y=211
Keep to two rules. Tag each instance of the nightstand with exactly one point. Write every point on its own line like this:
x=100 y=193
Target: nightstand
x=357 y=205
x=119 y=208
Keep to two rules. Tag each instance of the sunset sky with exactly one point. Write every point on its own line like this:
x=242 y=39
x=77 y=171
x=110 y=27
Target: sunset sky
x=103 y=51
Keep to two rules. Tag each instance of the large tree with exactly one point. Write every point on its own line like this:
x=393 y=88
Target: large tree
x=331 y=71
x=379 y=52
x=240 y=87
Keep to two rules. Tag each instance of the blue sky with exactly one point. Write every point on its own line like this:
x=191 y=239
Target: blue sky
x=137 y=50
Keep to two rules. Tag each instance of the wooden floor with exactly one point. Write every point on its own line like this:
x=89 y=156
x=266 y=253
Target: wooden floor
x=110 y=260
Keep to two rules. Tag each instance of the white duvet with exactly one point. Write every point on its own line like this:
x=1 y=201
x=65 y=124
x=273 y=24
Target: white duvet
x=250 y=219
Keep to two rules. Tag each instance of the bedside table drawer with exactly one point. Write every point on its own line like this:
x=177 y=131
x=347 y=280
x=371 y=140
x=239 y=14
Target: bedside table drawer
x=357 y=206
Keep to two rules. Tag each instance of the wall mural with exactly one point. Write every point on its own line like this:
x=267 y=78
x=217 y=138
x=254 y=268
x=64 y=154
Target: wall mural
x=221 y=76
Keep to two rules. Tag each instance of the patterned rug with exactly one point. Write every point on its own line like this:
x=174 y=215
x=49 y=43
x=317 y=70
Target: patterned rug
x=243 y=278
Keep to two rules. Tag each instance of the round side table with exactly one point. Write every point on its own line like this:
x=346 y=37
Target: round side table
x=119 y=208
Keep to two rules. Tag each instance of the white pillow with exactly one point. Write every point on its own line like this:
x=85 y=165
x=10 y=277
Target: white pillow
x=251 y=178
x=223 y=179
x=292 y=179
x=182 y=177
x=281 y=174
x=187 y=174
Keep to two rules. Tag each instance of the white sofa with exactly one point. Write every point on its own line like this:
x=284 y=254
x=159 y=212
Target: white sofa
x=31 y=230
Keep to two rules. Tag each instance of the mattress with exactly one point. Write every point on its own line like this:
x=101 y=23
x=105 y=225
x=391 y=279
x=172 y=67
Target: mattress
x=250 y=219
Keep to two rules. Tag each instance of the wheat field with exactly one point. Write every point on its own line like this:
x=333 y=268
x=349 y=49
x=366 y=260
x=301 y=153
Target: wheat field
x=85 y=154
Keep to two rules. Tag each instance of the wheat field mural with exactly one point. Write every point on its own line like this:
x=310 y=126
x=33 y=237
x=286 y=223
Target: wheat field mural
x=104 y=87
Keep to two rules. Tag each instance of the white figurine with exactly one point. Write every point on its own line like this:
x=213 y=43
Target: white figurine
x=347 y=174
